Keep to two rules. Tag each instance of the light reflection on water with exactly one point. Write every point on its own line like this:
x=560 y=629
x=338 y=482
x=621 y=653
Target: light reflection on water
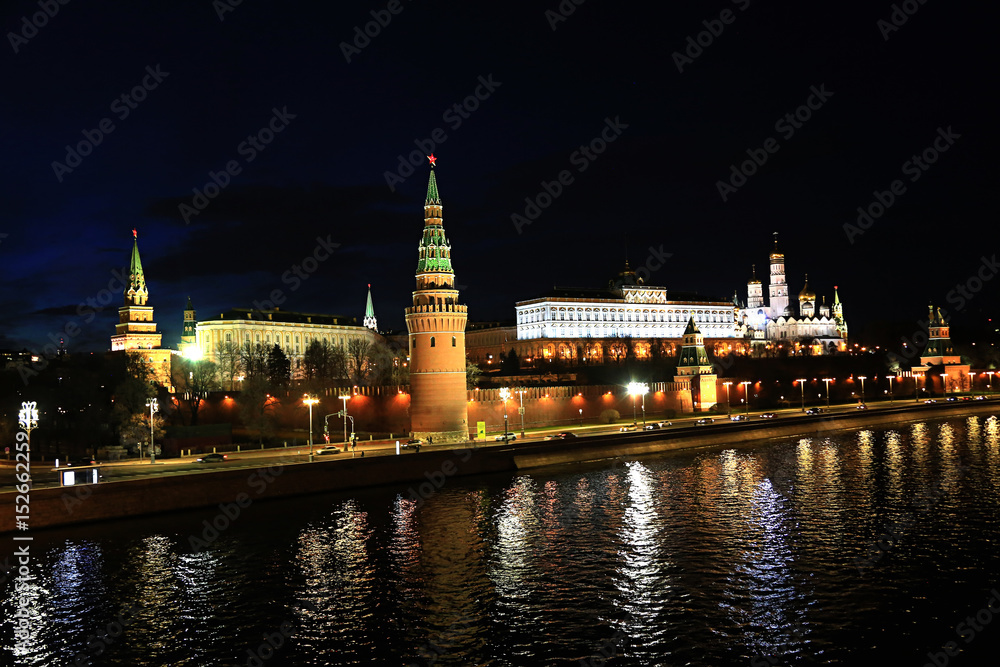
x=701 y=558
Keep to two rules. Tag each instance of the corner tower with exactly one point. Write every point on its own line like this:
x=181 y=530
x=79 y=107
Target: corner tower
x=436 y=324
x=695 y=368
x=136 y=331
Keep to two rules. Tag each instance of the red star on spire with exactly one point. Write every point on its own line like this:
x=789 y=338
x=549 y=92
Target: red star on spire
x=135 y=234
x=432 y=159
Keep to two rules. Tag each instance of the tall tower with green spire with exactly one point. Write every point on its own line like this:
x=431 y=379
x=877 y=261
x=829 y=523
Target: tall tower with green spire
x=436 y=324
x=136 y=331
x=370 y=321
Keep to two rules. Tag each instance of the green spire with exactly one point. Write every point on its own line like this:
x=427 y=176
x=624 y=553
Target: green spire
x=432 y=190
x=135 y=291
x=369 y=320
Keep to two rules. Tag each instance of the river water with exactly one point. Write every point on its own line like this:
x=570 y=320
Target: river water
x=870 y=546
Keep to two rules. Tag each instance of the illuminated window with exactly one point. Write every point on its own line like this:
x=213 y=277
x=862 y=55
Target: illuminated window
x=432 y=341
x=454 y=342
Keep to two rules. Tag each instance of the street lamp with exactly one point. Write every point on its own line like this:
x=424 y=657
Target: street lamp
x=990 y=374
x=28 y=417
x=153 y=408
x=729 y=409
x=639 y=389
x=746 y=394
x=802 y=385
x=310 y=401
x=581 y=417
x=862 y=378
x=889 y=378
x=505 y=395
x=916 y=388
x=345 y=399
x=944 y=383
x=520 y=410
x=828 y=381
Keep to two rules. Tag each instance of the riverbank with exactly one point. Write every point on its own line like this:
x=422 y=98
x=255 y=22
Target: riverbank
x=418 y=475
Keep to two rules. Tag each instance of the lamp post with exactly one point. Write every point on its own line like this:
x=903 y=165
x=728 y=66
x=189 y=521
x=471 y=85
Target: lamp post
x=581 y=417
x=802 y=386
x=345 y=399
x=153 y=408
x=828 y=381
x=310 y=401
x=944 y=383
x=729 y=409
x=520 y=410
x=639 y=389
x=28 y=418
x=862 y=378
x=990 y=374
x=746 y=394
x=916 y=388
x=505 y=395
x=889 y=378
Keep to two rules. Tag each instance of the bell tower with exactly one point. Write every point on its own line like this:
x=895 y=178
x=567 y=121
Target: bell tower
x=778 y=289
x=436 y=324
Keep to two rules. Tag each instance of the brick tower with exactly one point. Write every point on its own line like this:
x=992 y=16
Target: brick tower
x=436 y=322
x=695 y=368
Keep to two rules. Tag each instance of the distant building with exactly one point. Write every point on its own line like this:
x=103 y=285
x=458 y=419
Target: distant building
x=136 y=332
x=940 y=353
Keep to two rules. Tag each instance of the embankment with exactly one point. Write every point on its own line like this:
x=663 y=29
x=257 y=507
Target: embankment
x=51 y=507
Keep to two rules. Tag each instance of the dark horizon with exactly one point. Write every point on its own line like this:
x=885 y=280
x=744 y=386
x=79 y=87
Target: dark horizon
x=533 y=88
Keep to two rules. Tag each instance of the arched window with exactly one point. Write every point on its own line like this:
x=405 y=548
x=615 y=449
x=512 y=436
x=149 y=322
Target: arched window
x=454 y=342
x=432 y=341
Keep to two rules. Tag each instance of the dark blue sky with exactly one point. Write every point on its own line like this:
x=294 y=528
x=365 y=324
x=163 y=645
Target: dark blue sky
x=324 y=174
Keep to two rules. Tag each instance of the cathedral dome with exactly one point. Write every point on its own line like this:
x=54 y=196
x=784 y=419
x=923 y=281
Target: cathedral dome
x=807 y=294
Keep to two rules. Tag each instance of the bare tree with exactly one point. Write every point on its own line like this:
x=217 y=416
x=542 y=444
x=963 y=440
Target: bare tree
x=253 y=361
x=359 y=364
x=227 y=356
x=193 y=380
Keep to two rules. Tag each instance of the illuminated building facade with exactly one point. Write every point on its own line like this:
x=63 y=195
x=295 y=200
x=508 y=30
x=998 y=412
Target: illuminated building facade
x=940 y=353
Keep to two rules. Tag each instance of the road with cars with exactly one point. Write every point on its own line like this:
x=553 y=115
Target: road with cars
x=44 y=475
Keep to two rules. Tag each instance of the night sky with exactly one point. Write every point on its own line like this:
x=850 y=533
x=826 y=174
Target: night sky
x=676 y=124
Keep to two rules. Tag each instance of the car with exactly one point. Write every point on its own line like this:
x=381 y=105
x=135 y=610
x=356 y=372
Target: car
x=665 y=424
x=931 y=400
x=565 y=435
x=505 y=437
x=330 y=449
x=814 y=411
x=413 y=443
x=767 y=415
x=965 y=398
x=628 y=427
x=77 y=461
x=212 y=458
x=980 y=398
x=705 y=420
x=652 y=427
x=739 y=418
x=860 y=406
x=952 y=399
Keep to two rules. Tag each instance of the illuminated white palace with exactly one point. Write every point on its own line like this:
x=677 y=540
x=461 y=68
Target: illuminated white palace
x=627 y=309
